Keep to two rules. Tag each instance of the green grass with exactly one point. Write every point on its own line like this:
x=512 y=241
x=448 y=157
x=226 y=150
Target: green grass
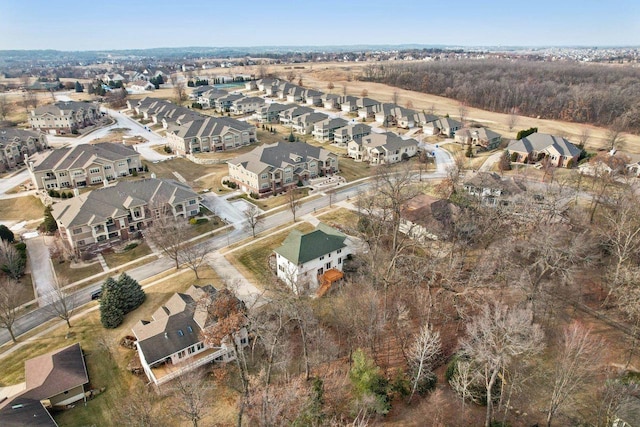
x=252 y=260
x=72 y=275
x=114 y=259
x=21 y=208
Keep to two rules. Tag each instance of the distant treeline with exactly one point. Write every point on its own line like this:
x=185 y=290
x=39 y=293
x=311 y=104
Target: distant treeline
x=606 y=96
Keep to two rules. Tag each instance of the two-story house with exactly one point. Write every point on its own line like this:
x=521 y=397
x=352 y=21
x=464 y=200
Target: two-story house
x=270 y=113
x=324 y=130
x=82 y=165
x=308 y=261
x=272 y=169
x=382 y=148
x=111 y=215
x=445 y=126
x=171 y=344
x=247 y=104
x=206 y=134
x=491 y=189
x=352 y=131
x=64 y=116
x=305 y=123
x=17 y=144
x=479 y=137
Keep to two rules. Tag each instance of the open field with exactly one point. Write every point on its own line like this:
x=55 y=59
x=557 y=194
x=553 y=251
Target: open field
x=21 y=208
x=252 y=260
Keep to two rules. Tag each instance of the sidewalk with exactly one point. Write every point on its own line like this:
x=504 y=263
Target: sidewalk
x=230 y=275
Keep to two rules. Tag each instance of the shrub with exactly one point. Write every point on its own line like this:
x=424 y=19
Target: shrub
x=254 y=195
x=192 y=221
x=299 y=184
x=201 y=220
x=6 y=234
x=514 y=157
x=570 y=163
x=130 y=246
x=135 y=173
x=63 y=195
x=167 y=149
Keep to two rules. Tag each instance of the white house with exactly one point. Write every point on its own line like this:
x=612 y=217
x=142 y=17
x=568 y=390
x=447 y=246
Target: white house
x=310 y=262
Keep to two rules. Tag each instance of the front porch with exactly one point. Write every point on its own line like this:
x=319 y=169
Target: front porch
x=327 y=279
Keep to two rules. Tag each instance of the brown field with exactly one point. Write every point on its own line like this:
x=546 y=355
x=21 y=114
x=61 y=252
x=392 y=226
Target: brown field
x=21 y=208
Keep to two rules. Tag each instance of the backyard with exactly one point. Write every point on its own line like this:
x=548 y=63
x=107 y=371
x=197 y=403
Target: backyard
x=21 y=208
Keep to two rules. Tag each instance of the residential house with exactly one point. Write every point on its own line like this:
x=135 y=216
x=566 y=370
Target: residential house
x=313 y=97
x=294 y=93
x=250 y=85
x=110 y=215
x=17 y=144
x=350 y=132
x=382 y=148
x=64 y=116
x=270 y=113
x=82 y=165
x=307 y=261
x=370 y=111
x=208 y=98
x=421 y=118
x=265 y=83
x=246 y=105
x=330 y=101
x=223 y=104
x=171 y=344
x=492 y=189
x=542 y=146
x=113 y=77
x=389 y=114
x=287 y=116
x=426 y=217
x=305 y=123
x=351 y=103
x=324 y=129
x=479 y=137
x=140 y=86
x=52 y=381
x=205 y=134
x=445 y=126
x=198 y=91
x=272 y=169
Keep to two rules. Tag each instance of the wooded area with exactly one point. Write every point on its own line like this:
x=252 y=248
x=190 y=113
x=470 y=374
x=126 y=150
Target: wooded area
x=602 y=95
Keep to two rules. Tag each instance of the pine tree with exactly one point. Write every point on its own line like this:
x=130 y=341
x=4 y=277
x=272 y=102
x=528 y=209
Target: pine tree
x=6 y=234
x=131 y=292
x=111 y=313
x=49 y=224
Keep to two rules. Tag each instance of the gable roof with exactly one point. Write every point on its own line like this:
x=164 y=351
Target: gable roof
x=55 y=372
x=493 y=181
x=81 y=156
x=278 y=155
x=388 y=141
x=544 y=142
x=175 y=326
x=299 y=248
x=114 y=201
x=24 y=411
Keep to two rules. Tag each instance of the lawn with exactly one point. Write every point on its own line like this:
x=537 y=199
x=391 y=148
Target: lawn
x=114 y=259
x=72 y=275
x=107 y=361
x=189 y=170
x=339 y=218
x=273 y=201
x=21 y=208
x=26 y=289
x=252 y=260
x=213 y=180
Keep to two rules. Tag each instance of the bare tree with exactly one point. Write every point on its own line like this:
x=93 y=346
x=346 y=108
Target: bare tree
x=252 y=214
x=615 y=137
x=6 y=107
x=577 y=361
x=395 y=97
x=422 y=355
x=11 y=261
x=9 y=304
x=463 y=111
x=512 y=119
x=330 y=86
x=136 y=409
x=463 y=380
x=364 y=93
x=344 y=90
x=191 y=396
x=293 y=201
x=494 y=338
x=585 y=135
x=60 y=301
x=179 y=87
x=168 y=233
x=291 y=76
x=300 y=82
x=409 y=104
x=193 y=255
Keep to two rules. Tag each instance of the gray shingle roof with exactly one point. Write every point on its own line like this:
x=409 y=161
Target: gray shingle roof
x=111 y=202
x=299 y=248
x=278 y=155
x=542 y=142
x=81 y=156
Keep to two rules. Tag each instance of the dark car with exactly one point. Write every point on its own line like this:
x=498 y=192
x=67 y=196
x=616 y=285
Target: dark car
x=96 y=294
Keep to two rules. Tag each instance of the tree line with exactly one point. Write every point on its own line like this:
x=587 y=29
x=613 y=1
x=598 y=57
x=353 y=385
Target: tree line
x=585 y=93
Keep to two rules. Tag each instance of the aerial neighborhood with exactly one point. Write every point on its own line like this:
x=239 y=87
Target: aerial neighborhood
x=318 y=238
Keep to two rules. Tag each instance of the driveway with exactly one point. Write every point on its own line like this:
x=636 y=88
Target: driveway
x=40 y=264
x=229 y=212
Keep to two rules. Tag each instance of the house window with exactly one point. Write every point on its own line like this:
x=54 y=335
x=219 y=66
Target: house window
x=192 y=202
x=339 y=260
x=94 y=170
x=328 y=265
x=339 y=251
x=77 y=230
x=322 y=257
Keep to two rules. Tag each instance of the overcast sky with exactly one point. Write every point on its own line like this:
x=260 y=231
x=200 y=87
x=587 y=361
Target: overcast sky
x=120 y=24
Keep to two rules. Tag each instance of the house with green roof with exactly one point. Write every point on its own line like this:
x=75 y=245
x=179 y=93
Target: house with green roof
x=306 y=261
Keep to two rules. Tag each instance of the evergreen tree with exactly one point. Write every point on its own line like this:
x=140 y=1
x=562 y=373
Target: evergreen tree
x=505 y=161
x=79 y=87
x=111 y=314
x=49 y=224
x=367 y=381
x=6 y=234
x=131 y=293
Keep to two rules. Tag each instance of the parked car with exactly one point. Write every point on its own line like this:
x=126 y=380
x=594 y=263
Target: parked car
x=96 y=294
